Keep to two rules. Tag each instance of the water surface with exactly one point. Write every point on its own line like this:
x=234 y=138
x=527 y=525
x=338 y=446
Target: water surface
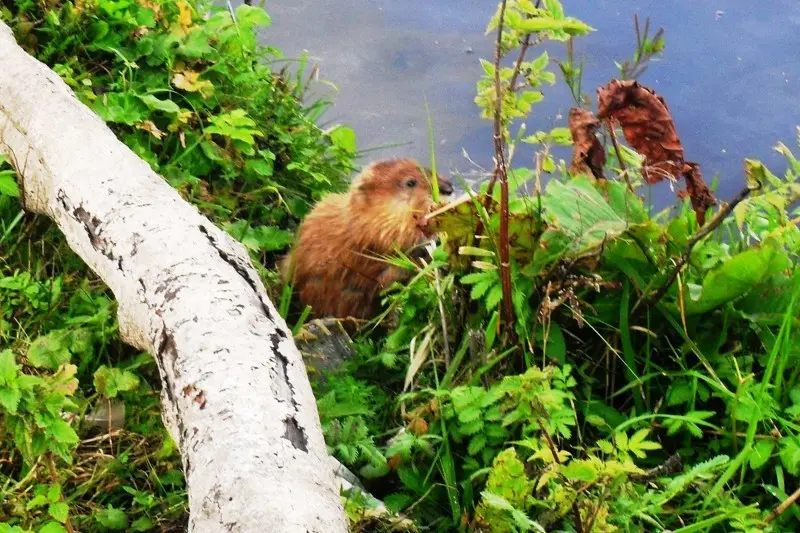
x=729 y=73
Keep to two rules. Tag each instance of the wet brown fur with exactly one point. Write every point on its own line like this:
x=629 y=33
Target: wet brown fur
x=334 y=265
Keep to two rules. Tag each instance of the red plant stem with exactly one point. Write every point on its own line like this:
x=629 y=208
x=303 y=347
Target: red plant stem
x=501 y=175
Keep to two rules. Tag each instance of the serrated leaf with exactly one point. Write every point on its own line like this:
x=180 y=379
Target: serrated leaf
x=605 y=446
x=762 y=451
x=59 y=511
x=62 y=432
x=8 y=367
x=112 y=518
x=580 y=471
x=476 y=444
x=52 y=527
x=494 y=296
x=49 y=351
x=480 y=288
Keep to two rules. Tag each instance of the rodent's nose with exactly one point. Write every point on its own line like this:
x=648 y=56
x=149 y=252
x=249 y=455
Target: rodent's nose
x=445 y=187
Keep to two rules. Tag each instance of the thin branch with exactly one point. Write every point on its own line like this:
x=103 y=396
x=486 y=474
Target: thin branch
x=783 y=506
x=610 y=128
x=672 y=465
x=697 y=237
x=526 y=43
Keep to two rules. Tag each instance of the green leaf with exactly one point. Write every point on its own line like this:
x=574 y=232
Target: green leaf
x=761 y=453
x=62 y=432
x=49 y=351
x=123 y=108
x=8 y=183
x=344 y=138
x=480 y=288
x=167 y=106
x=111 y=381
x=580 y=470
x=581 y=212
x=8 y=367
x=59 y=511
x=737 y=276
x=52 y=527
x=568 y=25
x=494 y=296
x=112 y=518
x=476 y=444
x=251 y=16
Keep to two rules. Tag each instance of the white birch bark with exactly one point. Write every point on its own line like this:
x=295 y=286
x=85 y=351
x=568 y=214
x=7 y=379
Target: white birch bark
x=235 y=393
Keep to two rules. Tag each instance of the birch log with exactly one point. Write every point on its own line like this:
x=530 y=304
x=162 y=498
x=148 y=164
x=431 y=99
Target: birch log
x=235 y=393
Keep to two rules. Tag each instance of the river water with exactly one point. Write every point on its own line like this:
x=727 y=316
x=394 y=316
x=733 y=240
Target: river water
x=729 y=74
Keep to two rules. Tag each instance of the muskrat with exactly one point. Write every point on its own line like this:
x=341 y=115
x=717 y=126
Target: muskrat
x=335 y=264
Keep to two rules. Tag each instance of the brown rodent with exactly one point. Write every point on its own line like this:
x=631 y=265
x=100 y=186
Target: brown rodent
x=334 y=265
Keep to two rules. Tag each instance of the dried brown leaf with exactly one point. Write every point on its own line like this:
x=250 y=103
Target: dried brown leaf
x=649 y=129
x=588 y=155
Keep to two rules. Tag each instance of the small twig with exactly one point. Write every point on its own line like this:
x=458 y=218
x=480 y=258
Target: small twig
x=783 y=506
x=576 y=511
x=610 y=128
x=697 y=237
x=672 y=465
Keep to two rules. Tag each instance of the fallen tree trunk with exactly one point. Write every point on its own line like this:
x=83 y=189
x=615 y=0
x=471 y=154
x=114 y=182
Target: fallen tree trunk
x=236 y=397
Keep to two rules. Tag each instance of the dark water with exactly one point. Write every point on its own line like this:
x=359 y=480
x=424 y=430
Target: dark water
x=729 y=73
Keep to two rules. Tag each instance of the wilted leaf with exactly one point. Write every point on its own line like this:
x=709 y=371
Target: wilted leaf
x=588 y=155
x=648 y=127
x=150 y=127
x=189 y=80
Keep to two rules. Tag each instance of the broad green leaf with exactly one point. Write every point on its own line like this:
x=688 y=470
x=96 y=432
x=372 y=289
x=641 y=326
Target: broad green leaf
x=8 y=184
x=59 y=511
x=579 y=210
x=8 y=367
x=153 y=102
x=761 y=453
x=49 y=351
x=111 y=518
x=52 y=527
x=738 y=275
x=344 y=138
x=578 y=470
x=111 y=381
x=62 y=432
x=251 y=16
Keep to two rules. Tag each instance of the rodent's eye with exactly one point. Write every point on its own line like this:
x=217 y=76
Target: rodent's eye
x=411 y=183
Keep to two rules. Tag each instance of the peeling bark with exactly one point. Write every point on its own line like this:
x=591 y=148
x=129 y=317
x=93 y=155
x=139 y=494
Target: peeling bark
x=235 y=393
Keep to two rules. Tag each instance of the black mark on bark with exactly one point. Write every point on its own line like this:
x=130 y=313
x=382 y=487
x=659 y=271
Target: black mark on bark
x=293 y=432
x=241 y=268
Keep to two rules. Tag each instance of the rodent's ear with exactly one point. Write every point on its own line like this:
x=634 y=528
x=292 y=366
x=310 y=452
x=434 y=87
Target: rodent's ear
x=362 y=182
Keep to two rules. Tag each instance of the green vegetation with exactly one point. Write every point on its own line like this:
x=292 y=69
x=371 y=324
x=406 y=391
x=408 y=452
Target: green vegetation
x=629 y=376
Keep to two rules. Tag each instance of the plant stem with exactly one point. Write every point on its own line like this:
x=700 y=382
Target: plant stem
x=610 y=128
x=700 y=235
x=501 y=174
